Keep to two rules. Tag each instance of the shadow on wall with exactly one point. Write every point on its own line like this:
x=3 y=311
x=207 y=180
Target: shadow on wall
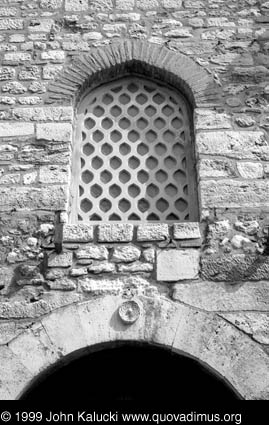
x=139 y=373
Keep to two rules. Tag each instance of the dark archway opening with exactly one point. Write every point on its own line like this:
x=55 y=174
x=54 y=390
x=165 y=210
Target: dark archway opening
x=139 y=373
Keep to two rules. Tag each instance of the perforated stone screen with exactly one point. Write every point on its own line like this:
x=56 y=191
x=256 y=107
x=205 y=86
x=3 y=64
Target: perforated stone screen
x=132 y=155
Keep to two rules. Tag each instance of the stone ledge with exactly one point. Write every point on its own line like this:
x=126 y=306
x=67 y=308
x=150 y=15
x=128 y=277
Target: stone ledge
x=187 y=234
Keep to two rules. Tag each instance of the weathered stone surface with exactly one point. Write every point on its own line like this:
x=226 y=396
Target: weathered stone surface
x=50 y=4
x=23 y=310
x=82 y=271
x=178 y=33
x=77 y=233
x=76 y=5
x=102 y=5
x=115 y=232
x=94 y=252
x=17 y=57
x=152 y=232
x=216 y=168
x=54 y=174
x=147 y=4
x=101 y=267
x=125 y=254
x=235 y=268
x=51 y=198
x=13 y=87
x=234 y=193
x=137 y=267
x=57 y=113
x=206 y=119
x=233 y=144
x=58 y=132
x=11 y=24
x=149 y=255
x=186 y=231
x=217 y=296
x=238 y=241
x=125 y=4
x=171 y=4
x=250 y=170
x=173 y=265
x=63 y=284
x=16 y=129
x=7 y=73
x=53 y=55
x=254 y=324
x=60 y=260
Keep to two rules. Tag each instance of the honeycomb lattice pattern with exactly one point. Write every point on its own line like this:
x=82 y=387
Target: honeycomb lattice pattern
x=133 y=150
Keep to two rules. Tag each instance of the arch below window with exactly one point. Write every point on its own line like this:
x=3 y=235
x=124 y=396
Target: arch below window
x=133 y=154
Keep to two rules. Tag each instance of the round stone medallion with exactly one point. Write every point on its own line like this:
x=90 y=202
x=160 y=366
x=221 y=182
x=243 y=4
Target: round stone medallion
x=129 y=312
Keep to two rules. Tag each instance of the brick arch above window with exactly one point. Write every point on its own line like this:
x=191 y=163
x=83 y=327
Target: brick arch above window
x=142 y=57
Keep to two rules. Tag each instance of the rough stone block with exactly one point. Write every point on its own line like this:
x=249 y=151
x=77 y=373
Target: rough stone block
x=171 y=4
x=77 y=233
x=186 y=231
x=149 y=255
x=40 y=25
x=57 y=113
x=213 y=296
x=206 y=119
x=13 y=87
x=250 y=170
x=58 y=132
x=101 y=5
x=234 y=193
x=125 y=254
x=136 y=267
x=50 y=198
x=17 y=57
x=125 y=4
x=233 y=144
x=49 y=71
x=63 y=284
x=216 y=168
x=115 y=232
x=235 y=268
x=8 y=11
x=101 y=267
x=152 y=232
x=92 y=252
x=76 y=5
x=174 y=265
x=50 y=4
x=7 y=73
x=54 y=174
x=53 y=55
x=11 y=24
x=60 y=260
x=147 y=4
x=16 y=129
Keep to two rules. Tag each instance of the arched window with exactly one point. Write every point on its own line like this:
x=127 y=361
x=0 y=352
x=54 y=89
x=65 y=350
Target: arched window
x=133 y=155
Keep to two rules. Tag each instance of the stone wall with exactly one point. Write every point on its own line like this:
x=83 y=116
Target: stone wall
x=219 y=265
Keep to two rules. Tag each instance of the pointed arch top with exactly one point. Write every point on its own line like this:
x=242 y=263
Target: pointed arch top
x=132 y=56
